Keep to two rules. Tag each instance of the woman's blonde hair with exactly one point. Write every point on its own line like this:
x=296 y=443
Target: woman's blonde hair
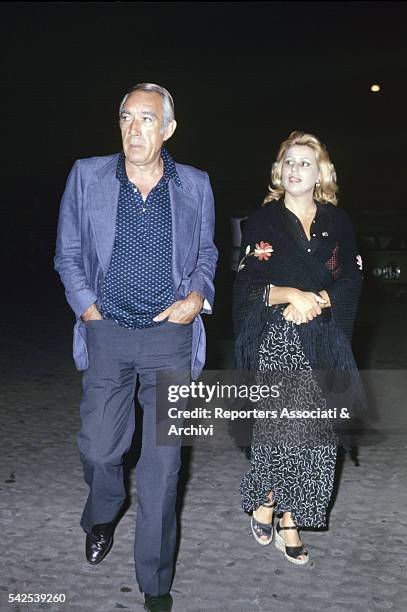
x=325 y=189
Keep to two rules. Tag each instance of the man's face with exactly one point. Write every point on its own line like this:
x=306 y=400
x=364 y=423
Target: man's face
x=300 y=170
x=141 y=121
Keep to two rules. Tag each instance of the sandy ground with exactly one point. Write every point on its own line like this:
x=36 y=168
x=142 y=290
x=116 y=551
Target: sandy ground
x=357 y=564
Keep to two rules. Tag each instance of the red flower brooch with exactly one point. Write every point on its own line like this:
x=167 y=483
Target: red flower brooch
x=262 y=251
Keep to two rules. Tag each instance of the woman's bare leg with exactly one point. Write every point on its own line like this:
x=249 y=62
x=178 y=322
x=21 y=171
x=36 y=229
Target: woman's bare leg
x=290 y=536
x=263 y=514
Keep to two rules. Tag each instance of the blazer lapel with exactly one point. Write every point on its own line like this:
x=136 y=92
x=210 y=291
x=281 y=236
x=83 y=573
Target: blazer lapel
x=184 y=212
x=103 y=200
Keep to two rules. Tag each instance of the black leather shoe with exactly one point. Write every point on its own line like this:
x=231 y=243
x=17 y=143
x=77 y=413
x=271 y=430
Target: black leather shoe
x=98 y=542
x=157 y=603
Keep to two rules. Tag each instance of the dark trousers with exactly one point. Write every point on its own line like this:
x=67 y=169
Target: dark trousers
x=117 y=357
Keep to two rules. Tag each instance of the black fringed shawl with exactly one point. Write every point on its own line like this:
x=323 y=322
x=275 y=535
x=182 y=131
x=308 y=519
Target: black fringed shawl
x=333 y=266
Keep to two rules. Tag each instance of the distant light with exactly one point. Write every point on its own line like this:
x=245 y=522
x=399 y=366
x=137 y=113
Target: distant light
x=375 y=87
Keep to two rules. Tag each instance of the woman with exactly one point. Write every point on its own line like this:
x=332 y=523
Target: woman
x=295 y=302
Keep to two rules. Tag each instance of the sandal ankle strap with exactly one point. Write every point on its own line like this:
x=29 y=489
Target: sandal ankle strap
x=280 y=527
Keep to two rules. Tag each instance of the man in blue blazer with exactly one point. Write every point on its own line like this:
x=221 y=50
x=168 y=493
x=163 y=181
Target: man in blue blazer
x=135 y=253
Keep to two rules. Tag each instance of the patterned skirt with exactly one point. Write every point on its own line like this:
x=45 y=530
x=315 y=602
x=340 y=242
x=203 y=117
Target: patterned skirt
x=292 y=457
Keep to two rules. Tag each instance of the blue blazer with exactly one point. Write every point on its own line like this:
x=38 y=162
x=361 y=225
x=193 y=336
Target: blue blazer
x=86 y=232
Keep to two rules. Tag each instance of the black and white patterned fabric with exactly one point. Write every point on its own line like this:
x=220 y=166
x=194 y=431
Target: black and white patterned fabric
x=292 y=457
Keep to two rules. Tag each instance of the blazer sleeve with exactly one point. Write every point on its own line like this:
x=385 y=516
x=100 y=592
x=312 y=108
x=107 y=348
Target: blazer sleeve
x=68 y=257
x=203 y=275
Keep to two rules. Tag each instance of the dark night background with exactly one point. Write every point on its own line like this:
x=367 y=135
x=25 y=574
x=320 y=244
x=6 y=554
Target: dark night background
x=243 y=76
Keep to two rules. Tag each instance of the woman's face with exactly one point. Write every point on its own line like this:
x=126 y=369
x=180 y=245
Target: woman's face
x=300 y=170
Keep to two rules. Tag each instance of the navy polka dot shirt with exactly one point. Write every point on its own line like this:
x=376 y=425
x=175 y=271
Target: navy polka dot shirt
x=139 y=284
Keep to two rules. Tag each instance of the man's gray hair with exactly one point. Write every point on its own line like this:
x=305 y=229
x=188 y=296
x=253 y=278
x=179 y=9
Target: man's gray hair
x=168 y=102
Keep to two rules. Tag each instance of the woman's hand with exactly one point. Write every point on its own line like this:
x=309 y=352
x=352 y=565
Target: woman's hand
x=292 y=314
x=303 y=306
x=325 y=296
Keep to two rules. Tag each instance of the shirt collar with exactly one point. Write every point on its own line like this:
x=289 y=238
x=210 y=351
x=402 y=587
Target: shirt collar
x=321 y=209
x=170 y=169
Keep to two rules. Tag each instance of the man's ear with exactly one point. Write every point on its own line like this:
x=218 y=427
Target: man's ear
x=170 y=129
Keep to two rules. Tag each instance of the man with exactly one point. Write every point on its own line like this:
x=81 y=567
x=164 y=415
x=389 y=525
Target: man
x=136 y=255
